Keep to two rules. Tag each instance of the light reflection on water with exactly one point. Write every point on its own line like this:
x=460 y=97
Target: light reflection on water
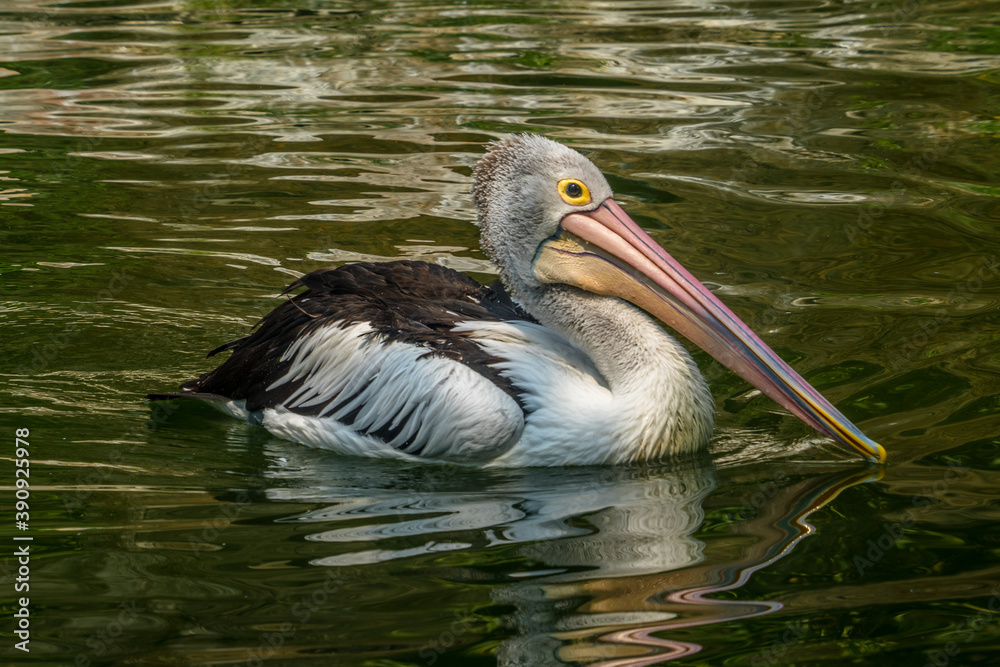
x=829 y=168
x=605 y=557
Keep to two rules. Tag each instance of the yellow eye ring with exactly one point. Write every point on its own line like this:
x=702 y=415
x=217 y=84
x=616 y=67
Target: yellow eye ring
x=574 y=192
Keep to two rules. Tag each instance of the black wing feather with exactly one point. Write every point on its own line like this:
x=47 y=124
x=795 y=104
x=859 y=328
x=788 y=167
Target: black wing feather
x=404 y=301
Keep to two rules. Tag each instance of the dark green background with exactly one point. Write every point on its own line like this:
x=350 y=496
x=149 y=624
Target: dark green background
x=829 y=168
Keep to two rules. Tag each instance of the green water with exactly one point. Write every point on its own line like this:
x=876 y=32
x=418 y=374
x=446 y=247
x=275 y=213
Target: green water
x=830 y=169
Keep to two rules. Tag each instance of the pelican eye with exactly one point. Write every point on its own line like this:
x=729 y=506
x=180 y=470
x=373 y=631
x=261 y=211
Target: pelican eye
x=574 y=192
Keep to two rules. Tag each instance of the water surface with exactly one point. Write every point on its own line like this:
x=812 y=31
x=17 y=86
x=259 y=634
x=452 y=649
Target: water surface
x=830 y=169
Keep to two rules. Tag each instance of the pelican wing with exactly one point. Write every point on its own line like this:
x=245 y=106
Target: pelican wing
x=376 y=352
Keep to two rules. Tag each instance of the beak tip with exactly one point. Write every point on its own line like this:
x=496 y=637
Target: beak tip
x=875 y=452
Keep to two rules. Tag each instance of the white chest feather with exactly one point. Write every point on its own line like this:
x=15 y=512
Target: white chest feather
x=575 y=418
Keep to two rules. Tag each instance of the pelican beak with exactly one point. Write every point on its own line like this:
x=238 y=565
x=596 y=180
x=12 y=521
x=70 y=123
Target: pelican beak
x=603 y=251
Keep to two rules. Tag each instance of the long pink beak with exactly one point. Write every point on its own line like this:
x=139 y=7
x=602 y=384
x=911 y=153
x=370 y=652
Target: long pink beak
x=669 y=292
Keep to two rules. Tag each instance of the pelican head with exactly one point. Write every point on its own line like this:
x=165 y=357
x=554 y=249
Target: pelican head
x=523 y=188
x=547 y=218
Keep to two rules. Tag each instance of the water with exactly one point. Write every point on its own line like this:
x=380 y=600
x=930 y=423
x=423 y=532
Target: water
x=829 y=168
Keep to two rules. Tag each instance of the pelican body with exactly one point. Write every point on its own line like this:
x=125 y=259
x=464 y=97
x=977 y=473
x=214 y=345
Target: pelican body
x=557 y=364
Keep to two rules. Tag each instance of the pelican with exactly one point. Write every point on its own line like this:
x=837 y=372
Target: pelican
x=561 y=364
